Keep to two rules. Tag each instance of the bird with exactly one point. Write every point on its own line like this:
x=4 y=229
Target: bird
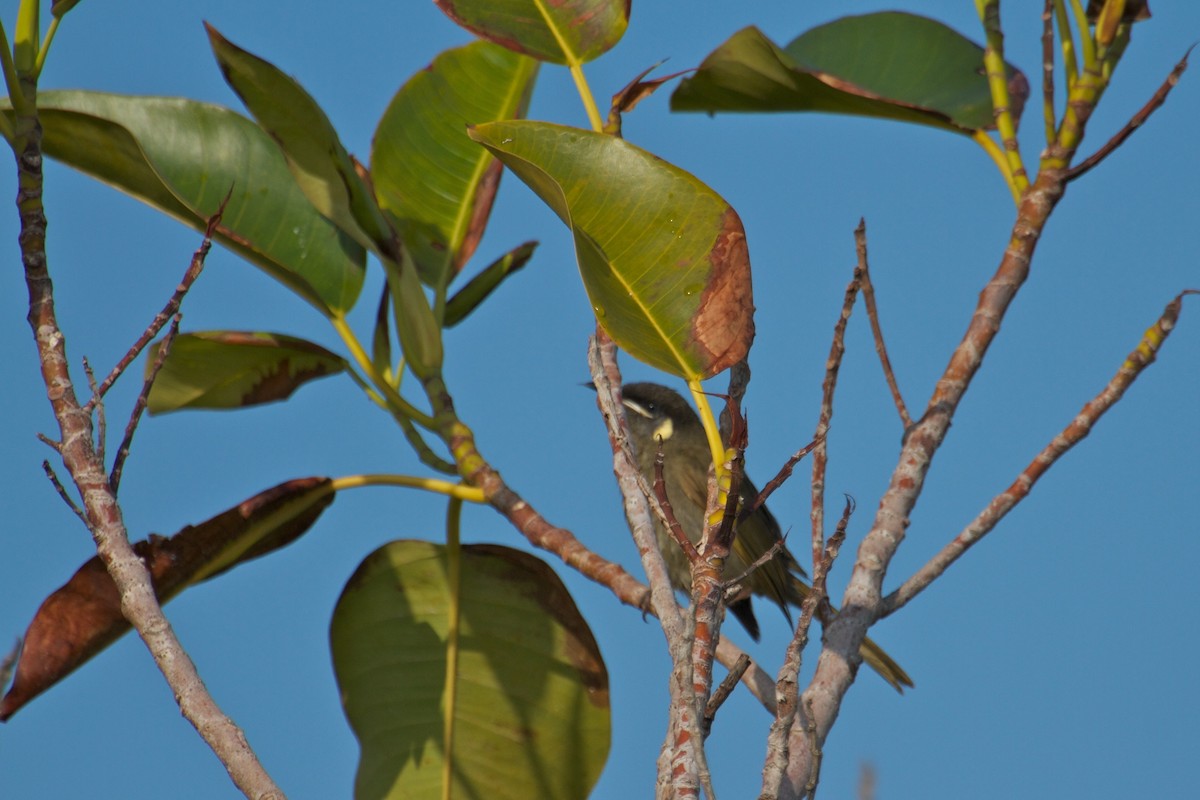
x=658 y=415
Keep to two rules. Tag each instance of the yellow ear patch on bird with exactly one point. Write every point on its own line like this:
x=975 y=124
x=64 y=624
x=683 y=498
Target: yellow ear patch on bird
x=664 y=430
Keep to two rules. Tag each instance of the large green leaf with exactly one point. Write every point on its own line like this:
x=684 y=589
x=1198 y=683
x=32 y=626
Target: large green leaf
x=531 y=714
x=436 y=182
x=322 y=167
x=181 y=157
x=559 y=31
x=890 y=65
x=663 y=257
x=83 y=617
x=235 y=369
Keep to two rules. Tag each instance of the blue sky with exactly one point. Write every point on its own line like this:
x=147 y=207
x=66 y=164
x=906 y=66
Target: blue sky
x=1054 y=657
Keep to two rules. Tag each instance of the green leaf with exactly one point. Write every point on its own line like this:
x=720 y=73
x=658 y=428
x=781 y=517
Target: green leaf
x=663 y=257
x=468 y=298
x=417 y=329
x=322 y=167
x=889 y=65
x=381 y=338
x=531 y=716
x=437 y=183
x=562 y=32
x=181 y=157
x=235 y=369
x=84 y=616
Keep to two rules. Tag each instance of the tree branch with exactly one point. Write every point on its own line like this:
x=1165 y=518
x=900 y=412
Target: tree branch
x=1138 y=119
x=868 y=293
x=104 y=517
x=1142 y=357
x=862 y=603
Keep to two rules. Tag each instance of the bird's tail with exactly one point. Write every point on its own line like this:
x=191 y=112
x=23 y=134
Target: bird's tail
x=882 y=663
x=871 y=653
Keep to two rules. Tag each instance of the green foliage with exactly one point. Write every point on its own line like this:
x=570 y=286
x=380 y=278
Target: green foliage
x=503 y=657
x=437 y=185
x=663 y=257
x=235 y=369
x=888 y=65
x=570 y=32
x=531 y=717
x=182 y=157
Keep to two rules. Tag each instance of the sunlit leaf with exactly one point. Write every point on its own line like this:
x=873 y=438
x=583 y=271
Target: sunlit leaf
x=562 y=32
x=322 y=167
x=182 y=157
x=889 y=65
x=84 y=616
x=437 y=183
x=663 y=257
x=235 y=369
x=531 y=714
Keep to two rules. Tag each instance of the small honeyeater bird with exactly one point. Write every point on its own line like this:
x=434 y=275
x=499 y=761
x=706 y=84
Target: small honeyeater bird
x=658 y=414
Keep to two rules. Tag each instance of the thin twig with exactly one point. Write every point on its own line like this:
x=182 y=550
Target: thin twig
x=780 y=478
x=101 y=420
x=53 y=445
x=816 y=603
x=195 y=267
x=868 y=293
x=775 y=549
x=62 y=492
x=1076 y=431
x=664 y=502
x=833 y=364
x=1155 y=102
x=862 y=601
x=1048 y=114
x=723 y=690
x=139 y=406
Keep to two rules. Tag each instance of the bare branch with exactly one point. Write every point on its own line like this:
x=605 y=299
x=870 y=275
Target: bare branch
x=787 y=718
x=780 y=478
x=863 y=602
x=1048 y=70
x=195 y=267
x=868 y=293
x=1142 y=357
x=775 y=549
x=114 y=477
x=1155 y=102
x=833 y=364
x=62 y=492
x=104 y=517
x=723 y=690
x=101 y=420
x=664 y=502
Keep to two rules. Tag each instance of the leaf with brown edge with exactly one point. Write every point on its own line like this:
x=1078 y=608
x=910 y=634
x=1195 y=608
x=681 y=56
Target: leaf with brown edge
x=887 y=65
x=663 y=257
x=235 y=369
x=84 y=616
x=436 y=184
x=567 y=32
